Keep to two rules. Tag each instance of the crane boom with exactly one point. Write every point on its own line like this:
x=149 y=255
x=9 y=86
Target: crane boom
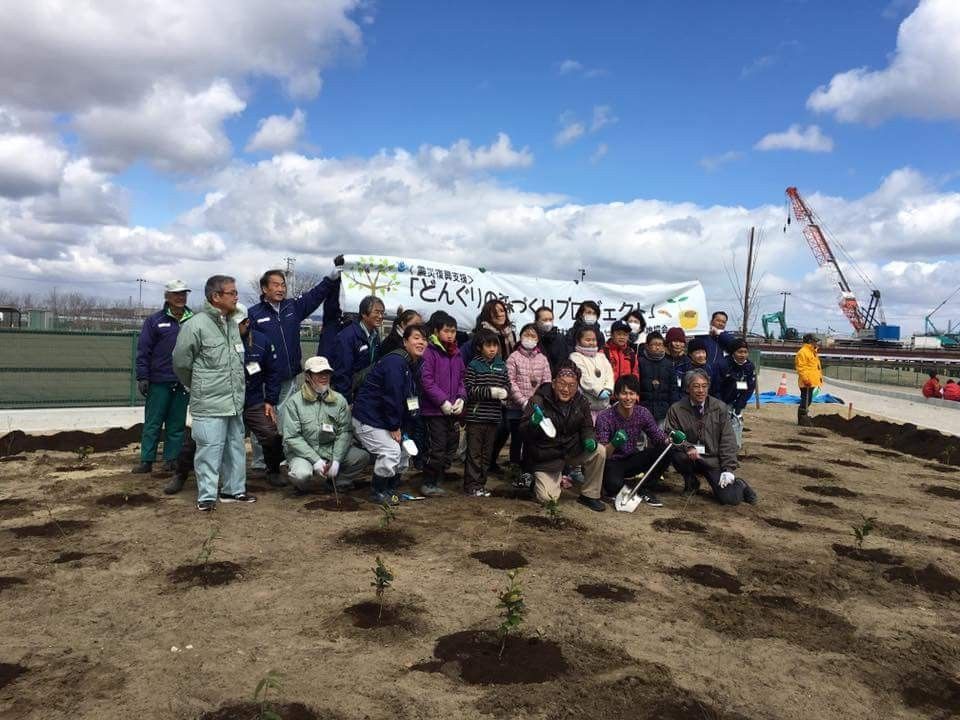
x=859 y=318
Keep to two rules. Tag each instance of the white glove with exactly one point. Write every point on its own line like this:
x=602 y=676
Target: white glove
x=334 y=469
x=446 y=408
x=726 y=478
x=334 y=273
x=458 y=406
x=320 y=466
x=498 y=393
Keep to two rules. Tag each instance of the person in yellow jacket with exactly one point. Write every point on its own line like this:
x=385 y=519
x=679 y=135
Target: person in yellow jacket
x=809 y=375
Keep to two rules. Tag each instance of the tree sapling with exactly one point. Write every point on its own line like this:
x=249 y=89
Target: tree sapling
x=272 y=681
x=382 y=579
x=83 y=452
x=513 y=609
x=554 y=514
x=208 y=546
x=861 y=531
x=388 y=515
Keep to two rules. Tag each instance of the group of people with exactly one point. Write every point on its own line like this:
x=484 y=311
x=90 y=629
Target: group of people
x=932 y=388
x=582 y=408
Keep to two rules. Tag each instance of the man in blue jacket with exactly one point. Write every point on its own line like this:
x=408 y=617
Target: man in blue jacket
x=357 y=348
x=719 y=339
x=167 y=399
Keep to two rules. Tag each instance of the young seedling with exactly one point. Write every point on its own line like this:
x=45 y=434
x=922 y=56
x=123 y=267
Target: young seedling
x=272 y=681
x=513 y=609
x=861 y=531
x=388 y=515
x=83 y=452
x=208 y=546
x=552 y=509
x=382 y=579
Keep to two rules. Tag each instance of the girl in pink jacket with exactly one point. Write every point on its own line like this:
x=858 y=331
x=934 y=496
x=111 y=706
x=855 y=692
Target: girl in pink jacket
x=527 y=368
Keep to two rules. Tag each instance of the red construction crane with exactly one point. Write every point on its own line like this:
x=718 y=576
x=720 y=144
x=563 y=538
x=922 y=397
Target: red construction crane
x=860 y=319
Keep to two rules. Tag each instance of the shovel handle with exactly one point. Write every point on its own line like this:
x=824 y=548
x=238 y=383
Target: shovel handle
x=636 y=488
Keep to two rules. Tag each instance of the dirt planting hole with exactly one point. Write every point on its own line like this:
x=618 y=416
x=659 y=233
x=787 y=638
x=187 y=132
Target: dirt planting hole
x=249 y=710
x=830 y=491
x=7 y=581
x=54 y=528
x=875 y=555
x=942 y=491
x=930 y=579
x=782 y=524
x=813 y=472
x=708 y=576
x=10 y=672
x=347 y=504
x=813 y=433
x=367 y=615
x=940 y=691
x=474 y=657
x=607 y=591
x=500 y=559
x=13 y=458
x=941 y=468
x=223 y=572
x=381 y=538
x=787 y=446
x=66 y=557
x=119 y=500
x=679 y=525
x=882 y=453
x=75 y=468
x=817 y=504
x=850 y=464
x=541 y=522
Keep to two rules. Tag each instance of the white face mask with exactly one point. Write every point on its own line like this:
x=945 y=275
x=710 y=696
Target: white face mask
x=634 y=327
x=589 y=319
x=546 y=326
x=528 y=343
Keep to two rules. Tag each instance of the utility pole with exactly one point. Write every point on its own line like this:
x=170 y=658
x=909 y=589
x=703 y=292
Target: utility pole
x=785 y=305
x=746 y=289
x=140 y=282
x=288 y=273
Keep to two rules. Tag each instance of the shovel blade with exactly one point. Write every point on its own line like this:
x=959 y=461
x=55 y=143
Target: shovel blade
x=624 y=503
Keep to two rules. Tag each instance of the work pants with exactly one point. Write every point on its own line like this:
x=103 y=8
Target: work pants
x=287 y=388
x=264 y=431
x=689 y=469
x=391 y=458
x=302 y=476
x=220 y=457
x=443 y=434
x=166 y=408
x=616 y=470
x=546 y=482
x=481 y=439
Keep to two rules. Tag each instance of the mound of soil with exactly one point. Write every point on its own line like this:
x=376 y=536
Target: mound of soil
x=708 y=576
x=347 y=504
x=542 y=522
x=381 y=538
x=678 y=524
x=930 y=579
x=782 y=524
x=50 y=529
x=907 y=438
x=10 y=672
x=16 y=442
x=223 y=572
x=367 y=615
x=941 y=468
x=500 y=559
x=13 y=458
x=66 y=557
x=944 y=492
x=813 y=472
x=9 y=581
x=787 y=446
x=817 y=504
x=607 y=591
x=248 y=710
x=474 y=657
x=830 y=491
x=849 y=463
x=876 y=555
x=118 y=500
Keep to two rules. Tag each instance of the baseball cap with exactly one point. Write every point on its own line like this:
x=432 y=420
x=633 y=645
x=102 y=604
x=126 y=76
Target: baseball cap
x=176 y=286
x=317 y=364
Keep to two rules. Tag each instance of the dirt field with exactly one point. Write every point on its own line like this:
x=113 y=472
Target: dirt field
x=687 y=611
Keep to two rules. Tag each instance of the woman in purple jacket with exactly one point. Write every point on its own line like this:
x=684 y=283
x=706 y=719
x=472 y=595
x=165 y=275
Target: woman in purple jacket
x=442 y=396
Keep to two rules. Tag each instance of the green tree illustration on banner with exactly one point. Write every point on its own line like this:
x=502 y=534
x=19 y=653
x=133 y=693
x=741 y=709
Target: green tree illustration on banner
x=377 y=275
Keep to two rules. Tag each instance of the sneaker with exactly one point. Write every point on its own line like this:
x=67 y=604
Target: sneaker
x=206 y=505
x=258 y=466
x=239 y=497
x=432 y=490
x=651 y=500
x=576 y=476
x=142 y=469
x=479 y=492
x=384 y=498
x=594 y=504
x=277 y=480
x=175 y=485
x=524 y=481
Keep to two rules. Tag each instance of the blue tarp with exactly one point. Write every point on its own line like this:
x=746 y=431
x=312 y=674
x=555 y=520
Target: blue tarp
x=771 y=398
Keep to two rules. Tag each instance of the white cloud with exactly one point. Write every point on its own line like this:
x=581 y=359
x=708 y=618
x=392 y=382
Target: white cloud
x=570 y=66
x=602 y=116
x=599 y=153
x=575 y=67
x=796 y=137
x=712 y=163
x=769 y=60
x=462 y=158
x=278 y=133
x=921 y=79
x=29 y=165
x=177 y=130
x=570 y=131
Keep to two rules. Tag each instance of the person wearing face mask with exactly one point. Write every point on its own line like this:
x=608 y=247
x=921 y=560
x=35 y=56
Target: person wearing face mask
x=318 y=434
x=553 y=343
x=394 y=340
x=588 y=315
x=596 y=374
x=658 y=386
x=527 y=369
x=638 y=325
x=736 y=379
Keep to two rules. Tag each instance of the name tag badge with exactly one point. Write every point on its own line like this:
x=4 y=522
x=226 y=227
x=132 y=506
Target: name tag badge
x=253 y=367
x=741 y=384
x=413 y=404
x=363 y=347
x=701 y=450
x=160 y=325
x=263 y=319
x=326 y=427
x=679 y=382
x=238 y=347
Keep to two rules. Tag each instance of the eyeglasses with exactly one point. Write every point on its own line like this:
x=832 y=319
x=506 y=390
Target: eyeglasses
x=232 y=293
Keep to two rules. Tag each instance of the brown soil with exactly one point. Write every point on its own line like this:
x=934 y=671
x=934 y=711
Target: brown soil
x=222 y=572
x=7 y=581
x=907 y=438
x=782 y=524
x=941 y=468
x=939 y=691
x=347 y=504
x=16 y=442
x=607 y=591
x=10 y=672
x=708 y=576
x=875 y=555
x=883 y=454
x=474 y=655
x=812 y=433
x=787 y=446
x=75 y=468
x=849 y=464
x=13 y=458
x=930 y=579
x=50 y=529
x=66 y=557
x=830 y=491
x=500 y=559
x=118 y=500
x=367 y=615
x=944 y=492
x=14 y=507
x=542 y=522
x=679 y=525
x=379 y=538
x=813 y=472
x=251 y=711
x=817 y=504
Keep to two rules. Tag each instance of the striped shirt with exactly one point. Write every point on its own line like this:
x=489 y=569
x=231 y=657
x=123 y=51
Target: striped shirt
x=479 y=378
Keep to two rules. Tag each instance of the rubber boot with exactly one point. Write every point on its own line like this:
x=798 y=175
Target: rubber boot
x=803 y=417
x=142 y=469
x=176 y=484
x=378 y=489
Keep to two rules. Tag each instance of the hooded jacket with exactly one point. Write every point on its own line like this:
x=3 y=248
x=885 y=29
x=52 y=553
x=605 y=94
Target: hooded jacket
x=807 y=364
x=315 y=428
x=573 y=423
x=951 y=391
x=155 y=345
x=388 y=392
x=713 y=431
x=527 y=370
x=596 y=376
x=932 y=388
x=441 y=378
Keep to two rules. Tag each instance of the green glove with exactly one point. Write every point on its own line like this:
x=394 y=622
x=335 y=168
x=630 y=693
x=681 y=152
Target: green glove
x=619 y=439
x=677 y=437
x=589 y=445
x=537 y=416
x=816 y=391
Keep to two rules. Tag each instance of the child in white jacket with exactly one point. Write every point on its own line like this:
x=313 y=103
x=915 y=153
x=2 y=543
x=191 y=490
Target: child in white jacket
x=596 y=373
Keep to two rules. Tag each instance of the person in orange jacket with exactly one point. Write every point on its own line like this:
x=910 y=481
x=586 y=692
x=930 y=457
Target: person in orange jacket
x=932 y=388
x=809 y=375
x=951 y=391
x=622 y=357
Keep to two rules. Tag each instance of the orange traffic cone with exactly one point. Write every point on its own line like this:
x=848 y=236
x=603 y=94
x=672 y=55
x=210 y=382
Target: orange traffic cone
x=782 y=390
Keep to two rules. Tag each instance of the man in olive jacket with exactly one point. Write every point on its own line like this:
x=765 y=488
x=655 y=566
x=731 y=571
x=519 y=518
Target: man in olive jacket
x=710 y=449
x=318 y=433
x=208 y=360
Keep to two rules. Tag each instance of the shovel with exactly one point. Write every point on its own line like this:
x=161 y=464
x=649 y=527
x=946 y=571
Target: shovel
x=628 y=500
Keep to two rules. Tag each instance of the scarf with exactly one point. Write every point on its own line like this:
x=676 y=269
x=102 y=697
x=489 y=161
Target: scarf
x=449 y=348
x=588 y=351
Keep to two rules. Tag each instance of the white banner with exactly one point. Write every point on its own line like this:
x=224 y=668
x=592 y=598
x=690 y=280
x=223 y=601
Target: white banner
x=461 y=291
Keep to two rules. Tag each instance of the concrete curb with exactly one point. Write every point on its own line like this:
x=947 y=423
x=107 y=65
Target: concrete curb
x=873 y=390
